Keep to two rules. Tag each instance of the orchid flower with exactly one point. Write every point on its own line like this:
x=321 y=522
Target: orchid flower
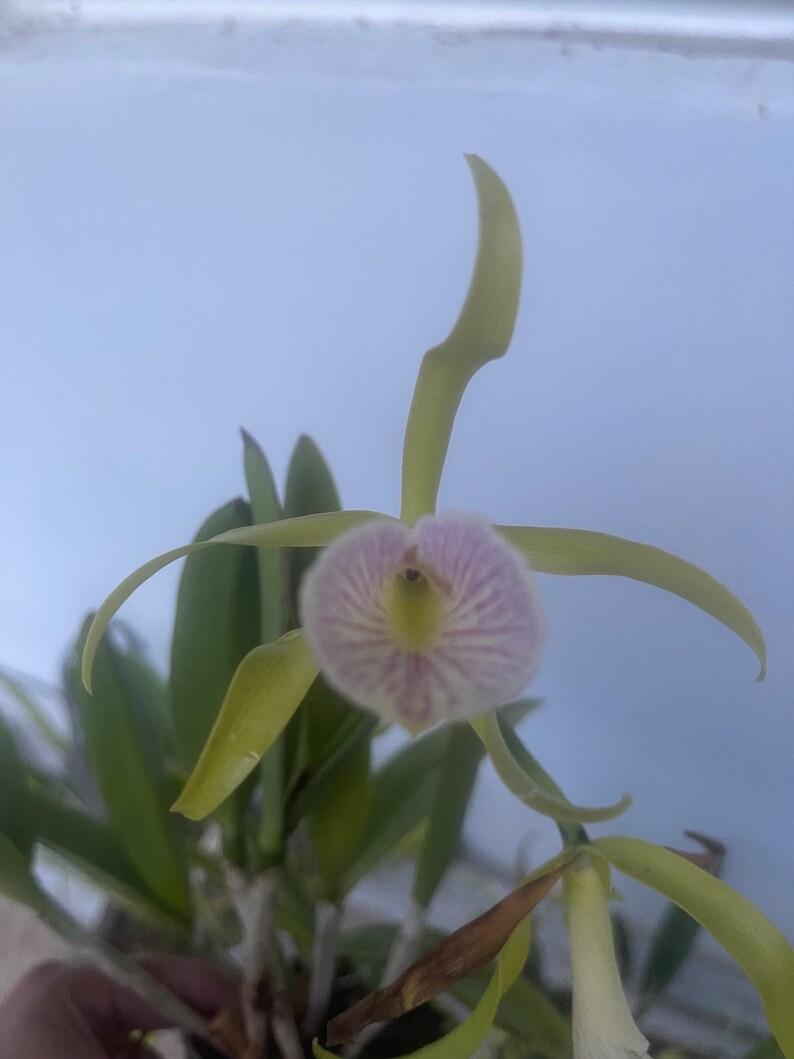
x=427 y=617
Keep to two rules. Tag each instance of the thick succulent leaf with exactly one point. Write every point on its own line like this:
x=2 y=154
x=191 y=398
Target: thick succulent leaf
x=266 y=508
x=482 y=333
x=528 y=790
x=216 y=625
x=95 y=850
x=569 y=551
x=265 y=692
x=311 y=531
x=16 y=879
x=339 y=818
x=116 y=727
x=757 y=945
x=15 y=820
x=464 y=1040
x=310 y=489
x=401 y=794
x=454 y=786
x=343 y=742
x=156 y=694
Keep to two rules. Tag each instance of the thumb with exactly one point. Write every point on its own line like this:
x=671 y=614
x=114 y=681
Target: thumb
x=111 y=1010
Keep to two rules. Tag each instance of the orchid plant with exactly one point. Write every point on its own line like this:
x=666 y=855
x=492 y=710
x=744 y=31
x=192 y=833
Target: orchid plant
x=433 y=621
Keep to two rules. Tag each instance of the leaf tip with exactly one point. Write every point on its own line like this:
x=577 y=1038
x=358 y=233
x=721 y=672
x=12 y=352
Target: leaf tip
x=184 y=806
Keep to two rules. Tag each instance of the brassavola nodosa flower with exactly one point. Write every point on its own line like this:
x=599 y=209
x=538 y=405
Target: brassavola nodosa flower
x=273 y=679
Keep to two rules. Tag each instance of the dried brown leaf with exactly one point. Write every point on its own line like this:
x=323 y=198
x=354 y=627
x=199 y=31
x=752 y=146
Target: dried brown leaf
x=469 y=948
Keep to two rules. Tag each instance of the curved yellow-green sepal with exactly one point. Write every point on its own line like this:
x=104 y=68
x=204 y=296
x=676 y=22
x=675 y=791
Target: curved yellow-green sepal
x=525 y=788
x=308 y=531
x=757 y=945
x=464 y=1040
x=482 y=333
x=571 y=551
x=269 y=685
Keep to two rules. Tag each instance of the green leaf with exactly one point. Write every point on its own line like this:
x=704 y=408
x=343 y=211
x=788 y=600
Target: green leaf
x=216 y=625
x=527 y=789
x=462 y=1041
x=765 y=1049
x=402 y=794
x=36 y=713
x=267 y=688
x=400 y=797
x=97 y=851
x=16 y=879
x=266 y=508
x=14 y=809
x=526 y=1013
x=482 y=333
x=670 y=946
x=344 y=738
x=273 y=609
x=762 y=951
x=570 y=551
x=157 y=698
x=310 y=490
x=116 y=725
x=339 y=818
x=312 y=531
x=454 y=786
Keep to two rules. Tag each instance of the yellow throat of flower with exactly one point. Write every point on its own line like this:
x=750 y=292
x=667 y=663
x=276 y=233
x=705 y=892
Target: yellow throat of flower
x=414 y=610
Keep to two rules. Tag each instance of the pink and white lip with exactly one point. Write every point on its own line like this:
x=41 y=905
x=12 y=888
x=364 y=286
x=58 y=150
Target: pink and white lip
x=490 y=635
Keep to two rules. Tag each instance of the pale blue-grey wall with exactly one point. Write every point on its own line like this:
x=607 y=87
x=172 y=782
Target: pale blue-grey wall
x=258 y=227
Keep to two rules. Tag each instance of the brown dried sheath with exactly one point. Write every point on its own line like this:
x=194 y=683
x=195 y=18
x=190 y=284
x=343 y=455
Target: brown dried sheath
x=470 y=947
x=711 y=860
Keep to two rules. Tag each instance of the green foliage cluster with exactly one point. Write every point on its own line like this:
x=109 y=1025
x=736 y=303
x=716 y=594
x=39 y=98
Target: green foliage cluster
x=316 y=806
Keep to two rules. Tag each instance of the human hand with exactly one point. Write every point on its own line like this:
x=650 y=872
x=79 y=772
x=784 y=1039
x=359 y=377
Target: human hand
x=59 y=1011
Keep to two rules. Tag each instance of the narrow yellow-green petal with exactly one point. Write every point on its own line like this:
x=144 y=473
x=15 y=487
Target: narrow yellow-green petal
x=266 y=690
x=530 y=792
x=464 y=1040
x=310 y=531
x=757 y=945
x=571 y=551
x=482 y=333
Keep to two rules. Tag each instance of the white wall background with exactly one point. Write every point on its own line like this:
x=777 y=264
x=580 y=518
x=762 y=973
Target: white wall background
x=258 y=225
